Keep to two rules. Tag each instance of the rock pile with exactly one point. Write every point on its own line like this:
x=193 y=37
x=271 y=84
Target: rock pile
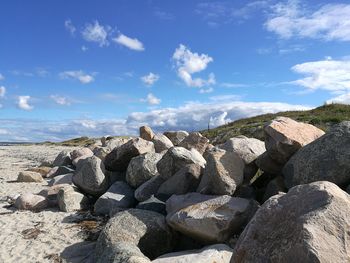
x=174 y=197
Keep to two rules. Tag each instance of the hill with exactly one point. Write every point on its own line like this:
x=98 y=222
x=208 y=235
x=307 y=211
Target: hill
x=323 y=117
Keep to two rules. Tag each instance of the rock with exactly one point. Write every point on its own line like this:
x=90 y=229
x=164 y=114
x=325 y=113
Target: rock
x=208 y=218
x=101 y=152
x=80 y=154
x=29 y=177
x=69 y=199
x=144 y=229
x=268 y=165
x=119 y=158
x=142 y=168
x=248 y=149
x=283 y=137
x=115 y=176
x=149 y=188
x=326 y=159
x=62 y=159
x=196 y=141
x=161 y=143
x=90 y=177
x=176 y=158
x=62 y=179
x=59 y=170
x=31 y=202
x=223 y=173
x=146 y=133
x=115 y=143
x=120 y=195
x=274 y=187
x=153 y=204
x=176 y=136
x=308 y=224
x=43 y=170
x=219 y=253
x=183 y=181
x=246 y=191
x=51 y=194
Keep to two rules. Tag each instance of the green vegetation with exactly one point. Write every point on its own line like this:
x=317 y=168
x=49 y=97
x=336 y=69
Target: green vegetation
x=323 y=117
x=81 y=141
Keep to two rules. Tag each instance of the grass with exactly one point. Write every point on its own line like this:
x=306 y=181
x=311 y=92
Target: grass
x=323 y=117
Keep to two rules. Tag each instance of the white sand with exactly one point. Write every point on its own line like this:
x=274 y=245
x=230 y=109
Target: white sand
x=58 y=233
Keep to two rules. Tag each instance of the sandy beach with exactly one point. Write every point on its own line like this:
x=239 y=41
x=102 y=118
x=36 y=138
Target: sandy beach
x=46 y=236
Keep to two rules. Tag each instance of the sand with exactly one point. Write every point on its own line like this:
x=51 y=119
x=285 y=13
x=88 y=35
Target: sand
x=46 y=236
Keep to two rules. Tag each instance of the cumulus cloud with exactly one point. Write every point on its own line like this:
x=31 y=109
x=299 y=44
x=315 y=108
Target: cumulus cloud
x=329 y=22
x=60 y=100
x=2 y=91
x=79 y=75
x=150 y=79
x=96 y=33
x=332 y=75
x=131 y=43
x=2 y=77
x=23 y=103
x=69 y=26
x=188 y=63
x=204 y=91
x=342 y=99
x=151 y=99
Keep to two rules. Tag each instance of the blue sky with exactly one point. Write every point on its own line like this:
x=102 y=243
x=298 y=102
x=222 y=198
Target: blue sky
x=73 y=68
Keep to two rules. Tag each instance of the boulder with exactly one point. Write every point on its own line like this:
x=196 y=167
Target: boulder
x=274 y=187
x=59 y=170
x=62 y=159
x=223 y=173
x=29 y=177
x=130 y=229
x=268 y=165
x=218 y=253
x=161 y=143
x=115 y=143
x=101 y=152
x=183 y=181
x=153 y=204
x=31 y=202
x=142 y=168
x=248 y=149
x=43 y=170
x=51 y=193
x=176 y=136
x=195 y=140
x=149 y=188
x=119 y=158
x=308 y=224
x=69 y=199
x=207 y=218
x=62 y=179
x=284 y=137
x=146 y=133
x=327 y=158
x=120 y=195
x=79 y=154
x=90 y=177
x=176 y=158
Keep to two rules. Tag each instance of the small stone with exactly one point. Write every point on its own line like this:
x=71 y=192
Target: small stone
x=29 y=177
x=31 y=202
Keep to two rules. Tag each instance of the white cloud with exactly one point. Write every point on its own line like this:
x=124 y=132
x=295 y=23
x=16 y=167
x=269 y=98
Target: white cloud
x=2 y=91
x=151 y=99
x=60 y=100
x=342 y=99
x=96 y=33
x=131 y=43
x=4 y=132
x=188 y=63
x=292 y=19
x=69 y=26
x=332 y=75
x=233 y=85
x=23 y=103
x=150 y=79
x=208 y=90
x=2 y=77
x=79 y=75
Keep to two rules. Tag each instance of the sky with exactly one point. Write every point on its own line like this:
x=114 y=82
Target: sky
x=94 y=68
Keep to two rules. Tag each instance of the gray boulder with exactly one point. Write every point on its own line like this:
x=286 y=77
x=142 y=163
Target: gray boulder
x=183 y=181
x=153 y=204
x=149 y=188
x=59 y=170
x=31 y=202
x=176 y=158
x=326 y=158
x=208 y=218
x=130 y=229
x=142 y=168
x=274 y=187
x=119 y=196
x=308 y=224
x=119 y=158
x=176 y=136
x=69 y=199
x=161 y=143
x=90 y=176
x=101 y=152
x=62 y=179
x=62 y=159
x=115 y=143
x=223 y=173
x=195 y=140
